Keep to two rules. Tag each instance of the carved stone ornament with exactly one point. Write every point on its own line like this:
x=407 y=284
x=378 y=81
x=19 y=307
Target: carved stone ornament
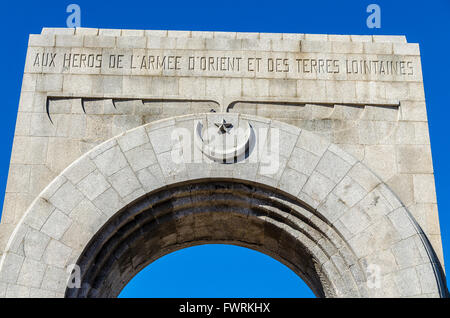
x=224 y=142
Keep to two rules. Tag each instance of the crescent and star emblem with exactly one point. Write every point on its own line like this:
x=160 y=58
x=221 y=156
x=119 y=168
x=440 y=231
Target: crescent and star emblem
x=223 y=142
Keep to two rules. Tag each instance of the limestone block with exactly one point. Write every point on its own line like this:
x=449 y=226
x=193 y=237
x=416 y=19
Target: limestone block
x=56 y=224
x=397 y=91
x=292 y=36
x=253 y=44
x=282 y=87
x=18 y=178
x=12 y=267
x=375 y=206
x=223 y=44
x=127 y=32
x=75 y=236
x=314 y=46
x=402 y=185
x=42 y=293
x=221 y=86
x=421 y=133
x=79 y=171
x=285 y=45
x=378 y=48
x=424 y=188
x=171 y=170
x=416 y=91
x=318 y=186
x=110 y=32
x=40 y=177
x=303 y=161
x=29 y=150
x=17 y=291
x=41 y=126
x=347 y=47
x=405 y=133
x=88 y=216
x=122 y=123
x=316 y=37
x=191 y=87
x=255 y=87
x=41 y=40
x=135 y=155
x=152 y=177
x=62 y=152
x=65 y=205
x=402 y=223
x=110 y=161
x=67 y=31
x=332 y=166
x=361 y=38
x=93 y=185
x=159 y=138
x=354 y=220
x=133 y=139
x=270 y=36
x=35 y=243
x=389 y=38
x=382 y=160
x=406 y=253
x=422 y=159
x=63 y=40
x=137 y=85
x=311 y=143
x=56 y=254
x=179 y=34
x=292 y=181
x=165 y=43
x=109 y=202
x=381 y=113
x=370 y=91
x=202 y=34
x=55 y=279
x=339 y=91
x=43 y=209
x=390 y=197
x=242 y=172
x=271 y=168
x=78 y=84
x=189 y=43
x=95 y=41
x=339 y=38
x=32 y=273
x=86 y=31
x=349 y=192
x=332 y=208
x=424 y=272
x=407 y=282
x=406 y=49
x=49 y=82
x=124 y=181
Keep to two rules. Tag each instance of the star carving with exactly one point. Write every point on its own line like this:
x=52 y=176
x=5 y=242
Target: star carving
x=223 y=126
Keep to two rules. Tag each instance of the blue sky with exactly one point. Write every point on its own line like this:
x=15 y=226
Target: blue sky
x=228 y=271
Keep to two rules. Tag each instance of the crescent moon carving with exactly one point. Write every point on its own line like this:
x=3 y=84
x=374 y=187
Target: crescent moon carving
x=239 y=150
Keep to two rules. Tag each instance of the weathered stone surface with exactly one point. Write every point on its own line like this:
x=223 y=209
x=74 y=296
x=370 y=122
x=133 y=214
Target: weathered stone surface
x=97 y=129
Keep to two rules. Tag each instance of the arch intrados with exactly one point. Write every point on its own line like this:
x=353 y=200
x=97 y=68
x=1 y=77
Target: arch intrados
x=152 y=219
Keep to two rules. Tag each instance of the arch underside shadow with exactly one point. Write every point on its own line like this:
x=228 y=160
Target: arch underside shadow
x=219 y=211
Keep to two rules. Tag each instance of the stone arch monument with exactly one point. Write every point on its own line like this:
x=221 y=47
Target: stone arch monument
x=131 y=144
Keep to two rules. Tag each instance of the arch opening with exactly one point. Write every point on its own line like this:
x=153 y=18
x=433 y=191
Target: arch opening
x=219 y=212
x=216 y=270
